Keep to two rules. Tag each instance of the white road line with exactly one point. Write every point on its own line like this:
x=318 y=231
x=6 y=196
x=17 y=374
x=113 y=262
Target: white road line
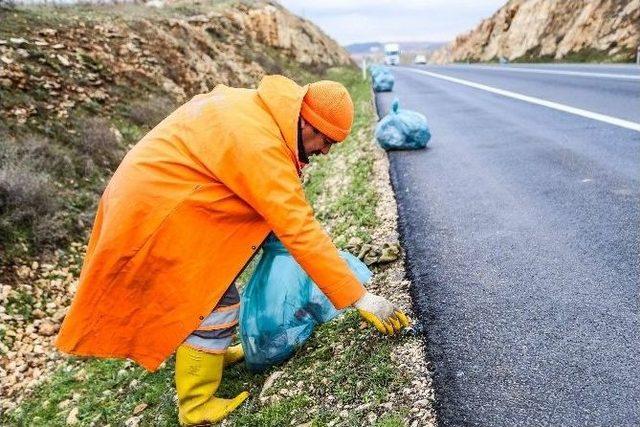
x=557 y=72
x=538 y=101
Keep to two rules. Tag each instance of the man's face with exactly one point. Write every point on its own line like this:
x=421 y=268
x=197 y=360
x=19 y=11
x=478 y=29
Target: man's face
x=314 y=141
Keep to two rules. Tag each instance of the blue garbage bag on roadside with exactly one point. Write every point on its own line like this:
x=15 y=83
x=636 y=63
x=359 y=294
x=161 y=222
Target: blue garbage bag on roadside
x=376 y=69
x=382 y=80
x=281 y=306
x=402 y=129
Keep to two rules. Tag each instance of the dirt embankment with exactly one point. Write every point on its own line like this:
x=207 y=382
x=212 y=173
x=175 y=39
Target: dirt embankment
x=550 y=30
x=78 y=87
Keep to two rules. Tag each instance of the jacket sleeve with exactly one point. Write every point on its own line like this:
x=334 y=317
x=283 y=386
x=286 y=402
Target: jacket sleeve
x=265 y=177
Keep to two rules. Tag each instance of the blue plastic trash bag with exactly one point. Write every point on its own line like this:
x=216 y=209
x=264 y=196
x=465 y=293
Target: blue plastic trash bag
x=281 y=305
x=402 y=129
x=376 y=69
x=382 y=80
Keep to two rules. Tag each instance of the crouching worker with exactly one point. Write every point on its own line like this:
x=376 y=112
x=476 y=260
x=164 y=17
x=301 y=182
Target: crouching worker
x=185 y=211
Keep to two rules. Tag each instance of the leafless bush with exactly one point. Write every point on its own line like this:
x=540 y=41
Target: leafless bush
x=99 y=143
x=7 y=4
x=48 y=157
x=151 y=111
x=28 y=203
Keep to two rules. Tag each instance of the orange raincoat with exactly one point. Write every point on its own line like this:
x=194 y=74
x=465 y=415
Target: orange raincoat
x=187 y=208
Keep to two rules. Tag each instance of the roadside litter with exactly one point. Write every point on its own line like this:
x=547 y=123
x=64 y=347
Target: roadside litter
x=381 y=78
x=402 y=129
x=376 y=69
x=281 y=306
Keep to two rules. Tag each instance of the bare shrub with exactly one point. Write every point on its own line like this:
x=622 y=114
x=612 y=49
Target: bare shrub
x=28 y=202
x=48 y=157
x=150 y=112
x=99 y=142
x=7 y=4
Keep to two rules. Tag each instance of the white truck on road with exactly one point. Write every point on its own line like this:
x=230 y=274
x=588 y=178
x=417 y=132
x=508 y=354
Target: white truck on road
x=392 y=54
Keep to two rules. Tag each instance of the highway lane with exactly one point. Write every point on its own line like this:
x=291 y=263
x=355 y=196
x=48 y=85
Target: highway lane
x=614 y=96
x=620 y=69
x=520 y=224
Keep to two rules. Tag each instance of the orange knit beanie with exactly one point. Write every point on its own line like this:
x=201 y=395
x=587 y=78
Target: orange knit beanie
x=327 y=106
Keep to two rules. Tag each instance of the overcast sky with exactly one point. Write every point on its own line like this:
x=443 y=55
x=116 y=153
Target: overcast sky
x=352 y=21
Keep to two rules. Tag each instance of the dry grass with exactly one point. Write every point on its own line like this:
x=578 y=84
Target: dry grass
x=148 y=113
x=28 y=206
x=100 y=143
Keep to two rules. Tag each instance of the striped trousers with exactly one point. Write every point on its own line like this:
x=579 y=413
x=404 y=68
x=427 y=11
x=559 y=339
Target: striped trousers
x=215 y=333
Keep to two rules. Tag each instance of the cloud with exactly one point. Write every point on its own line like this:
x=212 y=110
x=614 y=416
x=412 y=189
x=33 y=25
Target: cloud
x=350 y=21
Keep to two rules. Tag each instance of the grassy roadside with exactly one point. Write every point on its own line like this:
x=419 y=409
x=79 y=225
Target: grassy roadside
x=344 y=375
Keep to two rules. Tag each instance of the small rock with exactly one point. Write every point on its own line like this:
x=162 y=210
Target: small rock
x=72 y=418
x=269 y=383
x=37 y=313
x=63 y=60
x=81 y=375
x=48 y=32
x=372 y=417
x=139 y=408
x=363 y=407
x=47 y=329
x=18 y=41
x=133 y=421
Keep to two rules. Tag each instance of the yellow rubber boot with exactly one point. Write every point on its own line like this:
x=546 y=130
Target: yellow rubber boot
x=233 y=355
x=198 y=376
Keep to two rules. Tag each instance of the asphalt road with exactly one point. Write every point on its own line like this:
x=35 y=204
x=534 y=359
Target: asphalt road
x=521 y=226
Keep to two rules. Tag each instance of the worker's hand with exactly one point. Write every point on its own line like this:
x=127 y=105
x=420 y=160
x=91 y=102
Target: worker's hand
x=380 y=313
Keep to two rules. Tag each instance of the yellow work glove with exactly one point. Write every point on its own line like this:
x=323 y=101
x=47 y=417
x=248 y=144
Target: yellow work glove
x=380 y=313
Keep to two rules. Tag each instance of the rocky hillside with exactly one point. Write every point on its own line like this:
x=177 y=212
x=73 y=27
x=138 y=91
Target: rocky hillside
x=551 y=30
x=78 y=85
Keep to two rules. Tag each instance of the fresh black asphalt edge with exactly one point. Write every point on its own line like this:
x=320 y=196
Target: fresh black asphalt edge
x=424 y=316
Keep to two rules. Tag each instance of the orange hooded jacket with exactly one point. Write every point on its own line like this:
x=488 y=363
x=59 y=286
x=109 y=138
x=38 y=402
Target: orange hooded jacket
x=183 y=214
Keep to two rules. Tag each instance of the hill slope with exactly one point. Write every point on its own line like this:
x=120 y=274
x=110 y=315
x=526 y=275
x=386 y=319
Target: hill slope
x=79 y=85
x=547 y=30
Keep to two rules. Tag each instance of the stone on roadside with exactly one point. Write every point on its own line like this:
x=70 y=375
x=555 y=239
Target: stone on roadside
x=139 y=408
x=18 y=41
x=133 y=421
x=268 y=384
x=47 y=329
x=63 y=60
x=72 y=418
